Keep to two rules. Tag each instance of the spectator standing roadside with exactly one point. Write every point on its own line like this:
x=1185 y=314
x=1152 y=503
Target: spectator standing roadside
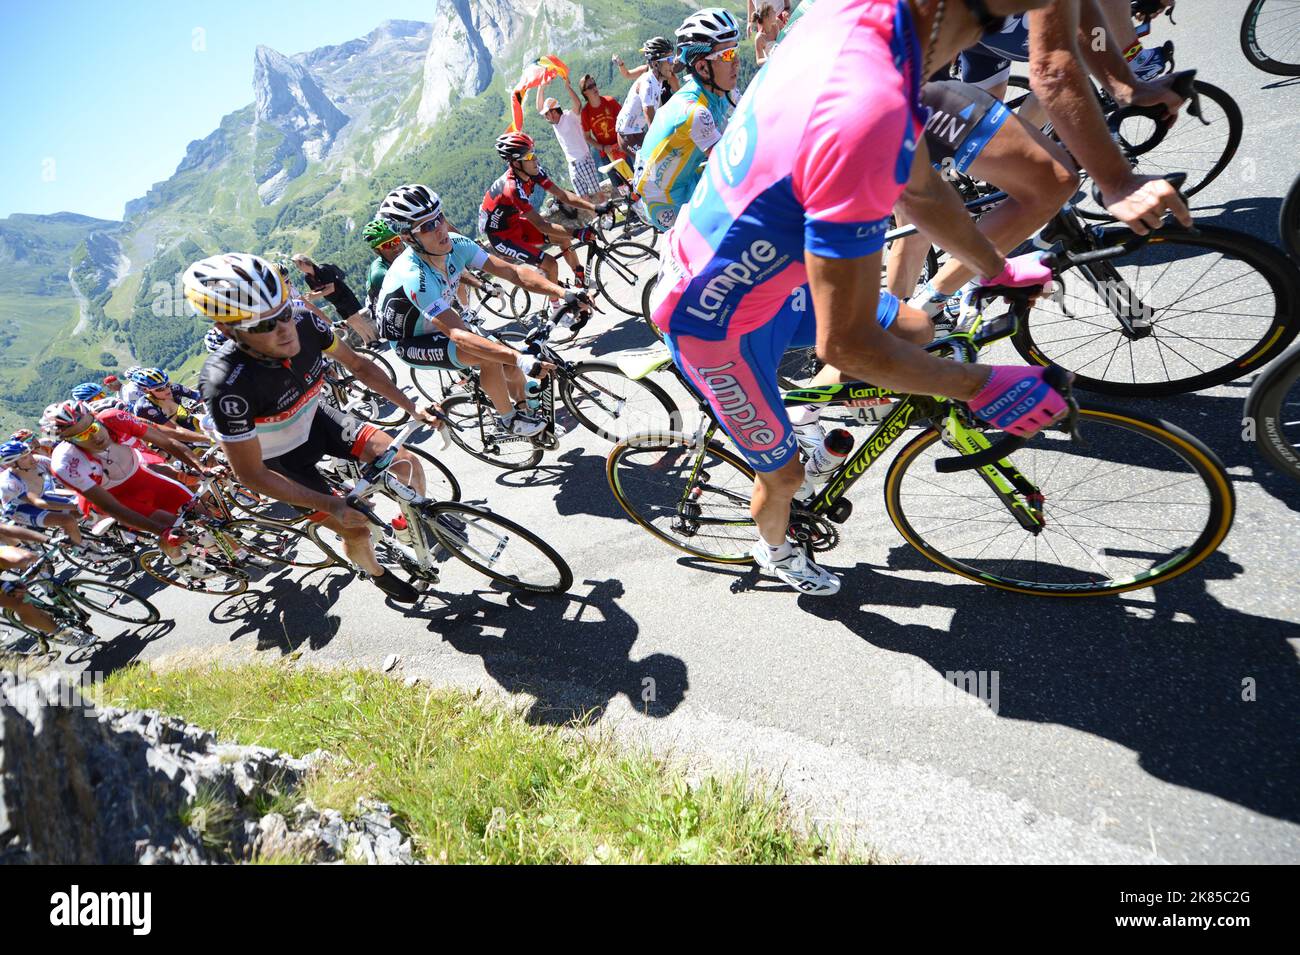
x=577 y=151
x=646 y=95
x=599 y=114
x=765 y=25
x=328 y=282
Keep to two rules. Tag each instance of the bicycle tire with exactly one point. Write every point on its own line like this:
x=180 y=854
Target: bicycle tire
x=464 y=410
x=581 y=392
x=1288 y=221
x=156 y=564
x=646 y=292
x=368 y=405
x=117 y=563
x=1273 y=410
x=619 y=272
x=79 y=589
x=1125 y=546
x=492 y=301
x=249 y=531
x=1254 y=53
x=1149 y=163
x=469 y=551
x=1233 y=347
x=653 y=475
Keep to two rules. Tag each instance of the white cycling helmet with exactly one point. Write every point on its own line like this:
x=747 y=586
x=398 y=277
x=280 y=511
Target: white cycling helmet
x=702 y=30
x=409 y=206
x=235 y=288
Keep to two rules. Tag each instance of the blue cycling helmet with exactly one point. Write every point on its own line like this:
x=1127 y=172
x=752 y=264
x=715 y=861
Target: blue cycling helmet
x=12 y=450
x=149 y=377
x=703 y=29
x=88 y=391
x=213 y=339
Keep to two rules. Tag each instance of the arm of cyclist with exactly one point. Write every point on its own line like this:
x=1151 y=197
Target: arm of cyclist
x=937 y=210
x=525 y=276
x=555 y=233
x=1059 y=80
x=245 y=458
x=176 y=449
x=13 y=533
x=1104 y=56
x=370 y=375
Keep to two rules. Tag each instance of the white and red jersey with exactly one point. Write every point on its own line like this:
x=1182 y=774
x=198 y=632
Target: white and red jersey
x=81 y=470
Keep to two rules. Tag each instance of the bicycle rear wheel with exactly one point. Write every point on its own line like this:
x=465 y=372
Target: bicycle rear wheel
x=1221 y=305
x=1270 y=36
x=278 y=544
x=694 y=498
x=499 y=548
x=480 y=436
x=607 y=402
x=111 y=600
x=226 y=582
x=621 y=269
x=1140 y=503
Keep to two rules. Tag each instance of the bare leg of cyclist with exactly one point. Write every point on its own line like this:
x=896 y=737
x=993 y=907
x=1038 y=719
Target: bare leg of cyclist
x=361 y=324
x=551 y=269
x=32 y=616
x=1038 y=177
x=66 y=522
x=904 y=259
x=357 y=546
x=770 y=504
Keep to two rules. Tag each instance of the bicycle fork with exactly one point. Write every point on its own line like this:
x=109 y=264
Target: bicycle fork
x=1017 y=493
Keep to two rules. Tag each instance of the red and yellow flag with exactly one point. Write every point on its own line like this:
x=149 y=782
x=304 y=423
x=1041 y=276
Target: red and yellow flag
x=542 y=70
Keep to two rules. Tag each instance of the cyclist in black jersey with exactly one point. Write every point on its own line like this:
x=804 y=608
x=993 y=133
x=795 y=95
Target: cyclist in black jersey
x=263 y=393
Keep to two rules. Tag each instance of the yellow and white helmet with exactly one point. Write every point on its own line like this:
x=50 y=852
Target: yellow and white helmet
x=235 y=287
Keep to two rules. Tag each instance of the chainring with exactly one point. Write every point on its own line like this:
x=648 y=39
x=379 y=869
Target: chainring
x=811 y=531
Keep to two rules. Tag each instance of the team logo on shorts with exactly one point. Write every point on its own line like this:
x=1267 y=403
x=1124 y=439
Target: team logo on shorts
x=667 y=217
x=233 y=406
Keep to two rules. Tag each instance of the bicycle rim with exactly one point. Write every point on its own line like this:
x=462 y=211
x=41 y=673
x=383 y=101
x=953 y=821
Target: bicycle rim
x=286 y=546
x=224 y=583
x=621 y=270
x=612 y=405
x=1265 y=22
x=1222 y=304
x=696 y=499
x=111 y=600
x=501 y=549
x=1138 y=504
x=481 y=437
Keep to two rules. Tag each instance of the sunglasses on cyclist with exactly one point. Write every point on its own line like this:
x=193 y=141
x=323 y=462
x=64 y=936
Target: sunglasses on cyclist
x=432 y=225
x=988 y=22
x=726 y=56
x=262 y=326
x=85 y=434
x=394 y=243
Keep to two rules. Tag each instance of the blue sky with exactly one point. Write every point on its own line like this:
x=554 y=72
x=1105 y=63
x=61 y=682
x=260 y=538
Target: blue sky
x=101 y=98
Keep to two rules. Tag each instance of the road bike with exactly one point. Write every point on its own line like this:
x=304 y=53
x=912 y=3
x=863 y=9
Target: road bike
x=597 y=393
x=1104 y=503
x=416 y=533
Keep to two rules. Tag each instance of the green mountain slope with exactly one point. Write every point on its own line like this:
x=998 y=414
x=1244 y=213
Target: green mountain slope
x=301 y=169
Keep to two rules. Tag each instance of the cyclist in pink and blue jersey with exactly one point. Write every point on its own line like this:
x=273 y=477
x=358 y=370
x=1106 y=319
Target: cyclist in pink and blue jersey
x=780 y=244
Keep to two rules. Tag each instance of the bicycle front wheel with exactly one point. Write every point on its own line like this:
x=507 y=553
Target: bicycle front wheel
x=609 y=403
x=1220 y=305
x=621 y=269
x=499 y=548
x=1270 y=36
x=1274 y=409
x=225 y=582
x=278 y=544
x=479 y=435
x=111 y=600
x=694 y=498
x=1140 y=503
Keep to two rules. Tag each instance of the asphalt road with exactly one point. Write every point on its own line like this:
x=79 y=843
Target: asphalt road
x=1116 y=730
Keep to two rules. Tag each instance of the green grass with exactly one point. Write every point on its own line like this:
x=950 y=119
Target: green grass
x=473 y=781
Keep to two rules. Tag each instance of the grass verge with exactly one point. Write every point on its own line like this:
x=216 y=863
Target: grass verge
x=472 y=781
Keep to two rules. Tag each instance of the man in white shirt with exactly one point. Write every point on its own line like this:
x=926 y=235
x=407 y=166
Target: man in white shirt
x=645 y=95
x=568 y=130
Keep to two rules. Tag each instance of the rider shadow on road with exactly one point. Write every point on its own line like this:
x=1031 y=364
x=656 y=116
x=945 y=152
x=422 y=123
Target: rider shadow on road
x=630 y=333
x=573 y=653
x=579 y=481
x=113 y=652
x=284 y=612
x=1204 y=694
x=1256 y=215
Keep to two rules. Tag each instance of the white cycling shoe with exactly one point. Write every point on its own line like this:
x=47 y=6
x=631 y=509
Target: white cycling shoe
x=797 y=571
x=521 y=424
